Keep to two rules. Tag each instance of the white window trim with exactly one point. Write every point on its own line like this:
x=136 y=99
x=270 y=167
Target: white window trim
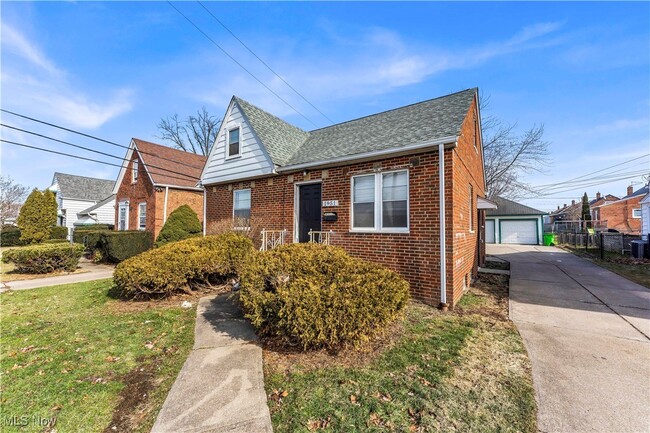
x=378 y=205
x=140 y=215
x=640 y=213
x=125 y=205
x=234 y=192
x=135 y=171
x=227 y=142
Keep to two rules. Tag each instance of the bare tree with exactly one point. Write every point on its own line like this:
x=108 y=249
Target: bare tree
x=195 y=134
x=508 y=156
x=11 y=198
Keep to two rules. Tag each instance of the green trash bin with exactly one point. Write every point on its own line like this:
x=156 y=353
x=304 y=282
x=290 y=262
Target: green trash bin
x=549 y=239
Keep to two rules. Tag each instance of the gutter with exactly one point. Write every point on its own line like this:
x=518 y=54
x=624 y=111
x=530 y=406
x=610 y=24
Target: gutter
x=188 y=188
x=450 y=142
x=165 y=205
x=443 y=255
x=205 y=200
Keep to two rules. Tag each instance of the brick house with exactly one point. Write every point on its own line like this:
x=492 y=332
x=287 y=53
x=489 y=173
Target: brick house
x=374 y=183
x=154 y=182
x=624 y=215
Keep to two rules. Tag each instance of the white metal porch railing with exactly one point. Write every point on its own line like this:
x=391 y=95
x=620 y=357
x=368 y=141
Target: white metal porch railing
x=320 y=237
x=272 y=239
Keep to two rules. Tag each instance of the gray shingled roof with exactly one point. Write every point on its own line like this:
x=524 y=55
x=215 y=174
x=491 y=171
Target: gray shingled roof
x=413 y=124
x=643 y=190
x=507 y=207
x=83 y=188
x=281 y=139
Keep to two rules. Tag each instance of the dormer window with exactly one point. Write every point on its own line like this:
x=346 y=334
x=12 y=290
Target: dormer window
x=233 y=147
x=134 y=172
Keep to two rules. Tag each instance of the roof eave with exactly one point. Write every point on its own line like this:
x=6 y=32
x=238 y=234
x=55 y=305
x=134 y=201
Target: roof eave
x=450 y=142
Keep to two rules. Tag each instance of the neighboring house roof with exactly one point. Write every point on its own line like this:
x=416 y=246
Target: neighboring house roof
x=434 y=119
x=510 y=208
x=162 y=161
x=81 y=187
x=640 y=191
x=90 y=210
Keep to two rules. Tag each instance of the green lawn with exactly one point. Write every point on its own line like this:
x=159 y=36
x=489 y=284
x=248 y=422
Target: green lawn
x=626 y=266
x=75 y=353
x=465 y=370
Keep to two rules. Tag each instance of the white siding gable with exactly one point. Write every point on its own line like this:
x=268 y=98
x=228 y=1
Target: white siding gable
x=105 y=214
x=253 y=160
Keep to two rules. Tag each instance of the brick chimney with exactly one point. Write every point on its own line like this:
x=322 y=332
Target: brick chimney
x=630 y=190
x=573 y=202
x=558 y=207
x=598 y=196
x=564 y=205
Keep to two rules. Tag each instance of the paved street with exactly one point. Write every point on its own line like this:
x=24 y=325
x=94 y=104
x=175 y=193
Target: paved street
x=587 y=331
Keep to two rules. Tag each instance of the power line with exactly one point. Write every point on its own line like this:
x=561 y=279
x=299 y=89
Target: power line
x=240 y=65
x=602 y=177
x=595 y=183
x=88 y=149
x=95 y=138
x=74 y=156
x=263 y=62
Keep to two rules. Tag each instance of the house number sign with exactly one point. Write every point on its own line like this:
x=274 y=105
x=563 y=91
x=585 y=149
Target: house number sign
x=330 y=203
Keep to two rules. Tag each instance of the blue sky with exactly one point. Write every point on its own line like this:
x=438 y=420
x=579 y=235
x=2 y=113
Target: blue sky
x=114 y=69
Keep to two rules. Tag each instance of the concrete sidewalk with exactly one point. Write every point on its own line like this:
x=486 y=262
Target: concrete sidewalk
x=221 y=386
x=587 y=332
x=94 y=272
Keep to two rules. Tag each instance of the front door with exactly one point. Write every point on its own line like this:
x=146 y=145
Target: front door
x=309 y=210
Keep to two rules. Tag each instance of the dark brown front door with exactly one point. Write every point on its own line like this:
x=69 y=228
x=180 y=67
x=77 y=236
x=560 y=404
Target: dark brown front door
x=309 y=210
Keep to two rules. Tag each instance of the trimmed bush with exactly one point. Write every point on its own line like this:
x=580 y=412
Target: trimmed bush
x=183 y=223
x=37 y=216
x=94 y=227
x=89 y=238
x=42 y=259
x=121 y=245
x=183 y=265
x=59 y=232
x=318 y=296
x=10 y=237
x=56 y=241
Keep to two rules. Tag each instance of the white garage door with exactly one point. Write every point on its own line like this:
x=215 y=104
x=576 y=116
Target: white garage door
x=519 y=232
x=489 y=231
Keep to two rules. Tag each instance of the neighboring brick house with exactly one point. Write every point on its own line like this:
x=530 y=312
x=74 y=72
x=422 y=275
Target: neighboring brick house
x=375 y=182
x=154 y=182
x=624 y=215
x=573 y=212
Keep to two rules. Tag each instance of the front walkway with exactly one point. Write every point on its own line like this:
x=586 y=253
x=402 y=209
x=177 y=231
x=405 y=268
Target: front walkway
x=221 y=385
x=587 y=332
x=93 y=272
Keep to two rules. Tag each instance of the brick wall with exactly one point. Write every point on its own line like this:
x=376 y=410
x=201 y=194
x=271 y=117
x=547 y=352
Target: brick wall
x=175 y=199
x=136 y=192
x=619 y=215
x=415 y=255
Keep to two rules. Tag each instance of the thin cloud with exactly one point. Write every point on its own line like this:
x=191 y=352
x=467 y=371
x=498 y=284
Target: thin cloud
x=32 y=83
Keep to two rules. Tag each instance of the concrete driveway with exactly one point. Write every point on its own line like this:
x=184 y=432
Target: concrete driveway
x=587 y=332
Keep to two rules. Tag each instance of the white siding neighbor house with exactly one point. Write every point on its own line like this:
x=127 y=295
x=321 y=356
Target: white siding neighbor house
x=645 y=216
x=83 y=200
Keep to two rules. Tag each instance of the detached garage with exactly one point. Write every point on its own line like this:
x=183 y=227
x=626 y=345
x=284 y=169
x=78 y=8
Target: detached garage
x=513 y=223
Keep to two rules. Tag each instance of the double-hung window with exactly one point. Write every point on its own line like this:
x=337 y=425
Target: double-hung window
x=123 y=216
x=636 y=213
x=380 y=202
x=233 y=144
x=241 y=208
x=142 y=216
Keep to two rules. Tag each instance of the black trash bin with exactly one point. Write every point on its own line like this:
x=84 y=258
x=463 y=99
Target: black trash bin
x=639 y=249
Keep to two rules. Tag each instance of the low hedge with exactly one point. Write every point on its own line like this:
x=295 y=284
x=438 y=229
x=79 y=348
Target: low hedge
x=10 y=237
x=94 y=227
x=318 y=296
x=121 y=245
x=183 y=265
x=59 y=232
x=45 y=258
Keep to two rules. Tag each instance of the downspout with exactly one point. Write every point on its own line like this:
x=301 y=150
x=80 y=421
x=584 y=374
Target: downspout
x=443 y=255
x=205 y=221
x=165 y=205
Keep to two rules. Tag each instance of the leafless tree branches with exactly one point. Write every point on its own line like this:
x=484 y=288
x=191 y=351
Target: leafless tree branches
x=195 y=134
x=11 y=198
x=508 y=156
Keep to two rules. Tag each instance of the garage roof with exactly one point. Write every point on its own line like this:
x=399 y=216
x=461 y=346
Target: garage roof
x=510 y=208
